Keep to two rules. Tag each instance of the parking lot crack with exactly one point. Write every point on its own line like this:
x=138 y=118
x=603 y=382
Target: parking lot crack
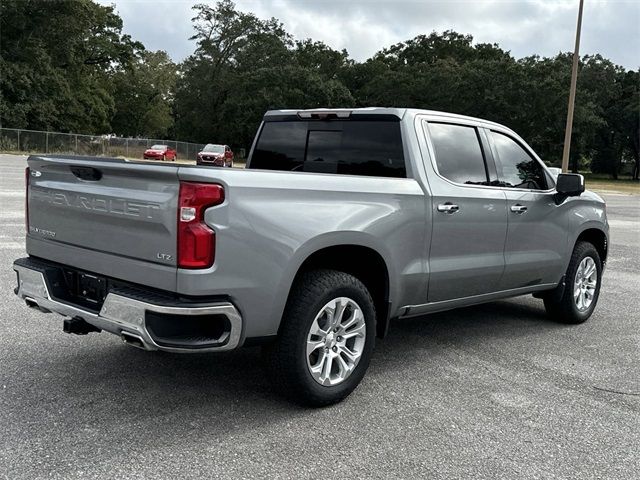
x=635 y=394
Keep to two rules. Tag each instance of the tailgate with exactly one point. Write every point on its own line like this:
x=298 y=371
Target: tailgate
x=109 y=206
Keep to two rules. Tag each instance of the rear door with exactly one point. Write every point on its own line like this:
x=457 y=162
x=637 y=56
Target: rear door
x=469 y=216
x=537 y=228
x=111 y=207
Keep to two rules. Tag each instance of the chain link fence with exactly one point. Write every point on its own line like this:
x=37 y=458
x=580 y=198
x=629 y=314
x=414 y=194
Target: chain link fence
x=33 y=141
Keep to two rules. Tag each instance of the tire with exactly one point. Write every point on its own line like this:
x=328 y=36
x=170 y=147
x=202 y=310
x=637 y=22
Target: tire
x=290 y=365
x=566 y=308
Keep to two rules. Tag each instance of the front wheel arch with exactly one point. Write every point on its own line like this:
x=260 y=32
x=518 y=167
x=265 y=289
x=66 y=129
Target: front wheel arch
x=597 y=238
x=560 y=303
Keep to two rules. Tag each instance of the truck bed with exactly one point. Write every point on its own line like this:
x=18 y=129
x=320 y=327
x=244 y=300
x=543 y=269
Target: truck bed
x=261 y=238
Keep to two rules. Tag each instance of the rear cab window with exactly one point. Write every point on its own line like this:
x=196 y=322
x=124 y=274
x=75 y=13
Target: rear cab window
x=336 y=146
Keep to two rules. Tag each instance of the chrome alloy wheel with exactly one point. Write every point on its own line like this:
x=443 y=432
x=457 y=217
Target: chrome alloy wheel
x=585 y=283
x=336 y=341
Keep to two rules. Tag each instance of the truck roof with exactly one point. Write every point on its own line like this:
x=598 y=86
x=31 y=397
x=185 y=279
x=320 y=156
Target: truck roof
x=393 y=111
x=398 y=112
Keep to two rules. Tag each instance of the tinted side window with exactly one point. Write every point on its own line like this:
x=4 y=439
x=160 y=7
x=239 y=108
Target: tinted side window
x=351 y=147
x=458 y=153
x=516 y=168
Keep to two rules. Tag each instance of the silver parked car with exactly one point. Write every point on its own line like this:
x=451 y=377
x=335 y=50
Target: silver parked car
x=343 y=220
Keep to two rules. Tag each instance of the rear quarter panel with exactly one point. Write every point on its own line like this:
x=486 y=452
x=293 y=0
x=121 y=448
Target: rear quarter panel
x=272 y=221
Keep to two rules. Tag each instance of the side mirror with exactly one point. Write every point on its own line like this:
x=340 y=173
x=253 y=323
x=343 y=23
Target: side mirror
x=570 y=184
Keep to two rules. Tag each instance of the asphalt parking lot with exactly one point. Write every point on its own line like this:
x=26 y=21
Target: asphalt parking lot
x=495 y=391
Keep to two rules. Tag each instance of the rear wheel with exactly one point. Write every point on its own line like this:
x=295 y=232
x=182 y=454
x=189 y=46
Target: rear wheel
x=582 y=287
x=326 y=338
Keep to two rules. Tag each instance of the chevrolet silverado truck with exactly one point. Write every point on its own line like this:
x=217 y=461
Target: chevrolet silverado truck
x=342 y=221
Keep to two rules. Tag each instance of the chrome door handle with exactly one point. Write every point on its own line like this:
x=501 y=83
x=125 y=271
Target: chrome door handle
x=518 y=208
x=448 y=208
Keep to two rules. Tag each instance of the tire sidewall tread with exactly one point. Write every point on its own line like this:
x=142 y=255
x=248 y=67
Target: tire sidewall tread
x=286 y=358
x=565 y=310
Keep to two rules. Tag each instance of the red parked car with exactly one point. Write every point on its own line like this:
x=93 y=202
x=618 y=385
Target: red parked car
x=160 y=152
x=213 y=154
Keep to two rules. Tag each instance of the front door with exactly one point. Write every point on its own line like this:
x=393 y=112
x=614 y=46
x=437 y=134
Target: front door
x=469 y=227
x=537 y=228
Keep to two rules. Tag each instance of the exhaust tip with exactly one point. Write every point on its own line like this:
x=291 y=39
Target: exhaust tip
x=33 y=304
x=133 y=340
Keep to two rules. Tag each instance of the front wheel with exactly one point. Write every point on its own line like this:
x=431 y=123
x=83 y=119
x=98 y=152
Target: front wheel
x=582 y=287
x=326 y=338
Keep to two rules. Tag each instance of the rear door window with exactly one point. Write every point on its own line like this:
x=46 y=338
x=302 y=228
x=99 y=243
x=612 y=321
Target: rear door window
x=516 y=168
x=458 y=153
x=349 y=147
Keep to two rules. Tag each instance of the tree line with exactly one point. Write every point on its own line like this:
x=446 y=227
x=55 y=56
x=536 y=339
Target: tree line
x=67 y=66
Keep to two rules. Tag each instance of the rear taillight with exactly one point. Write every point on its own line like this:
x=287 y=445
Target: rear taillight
x=27 y=175
x=196 y=241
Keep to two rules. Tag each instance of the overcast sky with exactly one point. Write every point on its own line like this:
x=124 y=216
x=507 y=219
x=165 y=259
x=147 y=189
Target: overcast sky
x=363 y=27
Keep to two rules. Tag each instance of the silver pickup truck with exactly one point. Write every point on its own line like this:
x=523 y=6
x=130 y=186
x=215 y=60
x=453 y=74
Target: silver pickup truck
x=342 y=220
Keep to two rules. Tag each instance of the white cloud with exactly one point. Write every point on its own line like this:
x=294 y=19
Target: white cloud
x=363 y=27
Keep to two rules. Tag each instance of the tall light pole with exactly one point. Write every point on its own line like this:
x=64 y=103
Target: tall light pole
x=572 y=93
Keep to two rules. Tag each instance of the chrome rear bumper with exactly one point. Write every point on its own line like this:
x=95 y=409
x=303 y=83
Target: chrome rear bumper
x=125 y=316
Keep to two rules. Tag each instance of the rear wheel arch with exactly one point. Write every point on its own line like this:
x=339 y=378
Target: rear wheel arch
x=364 y=263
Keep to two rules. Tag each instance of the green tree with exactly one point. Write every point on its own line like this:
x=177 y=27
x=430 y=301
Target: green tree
x=620 y=132
x=270 y=88
x=229 y=44
x=56 y=60
x=243 y=66
x=448 y=72
x=89 y=77
x=630 y=116
x=320 y=58
x=144 y=96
